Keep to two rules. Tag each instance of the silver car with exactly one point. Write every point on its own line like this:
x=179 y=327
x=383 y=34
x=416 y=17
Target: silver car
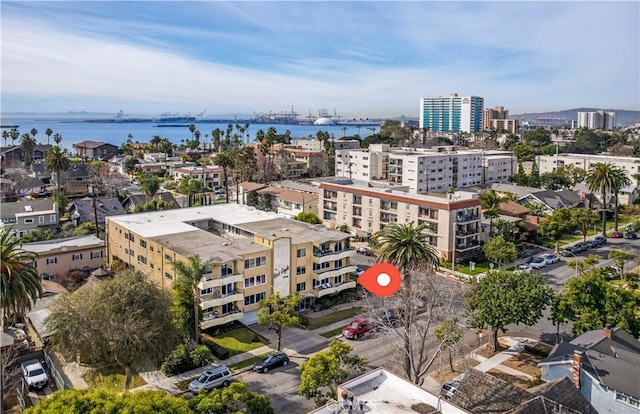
x=214 y=378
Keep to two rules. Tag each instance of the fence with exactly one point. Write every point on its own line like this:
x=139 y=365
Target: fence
x=58 y=378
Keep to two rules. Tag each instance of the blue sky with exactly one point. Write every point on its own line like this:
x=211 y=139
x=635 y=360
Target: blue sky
x=361 y=58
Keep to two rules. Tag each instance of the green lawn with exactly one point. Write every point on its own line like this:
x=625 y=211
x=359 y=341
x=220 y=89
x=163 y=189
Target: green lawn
x=240 y=340
x=332 y=333
x=328 y=319
x=111 y=378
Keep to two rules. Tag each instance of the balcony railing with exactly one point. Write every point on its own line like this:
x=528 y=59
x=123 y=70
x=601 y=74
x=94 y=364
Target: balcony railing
x=329 y=289
x=221 y=281
x=329 y=273
x=326 y=252
x=473 y=244
x=213 y=319
x=209 y=301
x=461 y=218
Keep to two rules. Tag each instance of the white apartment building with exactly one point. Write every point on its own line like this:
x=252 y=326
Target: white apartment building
x=548 y=163
x=312 y=144
x=426 y=170
x=366 y=210
x=210 y=176
x=599 y=119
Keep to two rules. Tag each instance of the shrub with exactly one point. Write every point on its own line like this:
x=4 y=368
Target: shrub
x=200 y=356
x=177 y=362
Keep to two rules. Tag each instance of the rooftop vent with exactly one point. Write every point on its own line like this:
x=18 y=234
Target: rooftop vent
x=225 y=244
x=28 y=209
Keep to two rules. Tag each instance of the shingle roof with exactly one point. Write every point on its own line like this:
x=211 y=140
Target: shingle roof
x=9 y=210
x=133 y=200
x=105 y=206
x=511 y=208
x=564 y=392
x=248 y=186
x=90 y=144
x=614 y=373
x=482 y=393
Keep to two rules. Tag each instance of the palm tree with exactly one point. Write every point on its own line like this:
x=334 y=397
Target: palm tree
x=57 y=138
x=192 y=129
x=191 y=272
x=14 y=134
x=57 y=161
x=34 y=132
x=27 y=143
x=48 y=133
x=150 y=184
x=21 y=284
x=607 y=179
x=407 y=248
x=216 y=134
x=5 y=135
x=226 y=160
x=155 y=141
x=490 y=201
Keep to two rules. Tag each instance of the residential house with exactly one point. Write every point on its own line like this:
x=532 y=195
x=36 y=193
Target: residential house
x=13 y=156
x=85 y=209
x=251 y=254
x=58 y=256
x=482 y=393
x=94 y=150
x=79 y=180
x=211 y=176
x=133 y=200
x=8 y=190
x=306 y=163
x=604 y=365
x=550 y=201
x=366 y=209
x=26 y=216
x=287 y=201
x=247 y=192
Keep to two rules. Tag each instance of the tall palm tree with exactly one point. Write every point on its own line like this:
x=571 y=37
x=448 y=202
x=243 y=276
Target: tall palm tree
x=190 y=272
x=57 y=161
x=48 y=133
x=27 y=143
x=192 y=129
x=57 y=138
x=14 y=134
x=606 y=178
x=155 y=141
x=21 y=284
x=5 y=135
x=406 y=247
x=216 y=134
x=490 y=201
x=226 y=160
x=34 y=132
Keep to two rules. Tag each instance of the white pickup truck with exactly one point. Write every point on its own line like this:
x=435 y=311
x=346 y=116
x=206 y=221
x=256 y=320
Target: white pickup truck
x=34 y=374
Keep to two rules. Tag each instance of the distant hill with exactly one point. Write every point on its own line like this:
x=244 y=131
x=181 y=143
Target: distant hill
x=623 y=117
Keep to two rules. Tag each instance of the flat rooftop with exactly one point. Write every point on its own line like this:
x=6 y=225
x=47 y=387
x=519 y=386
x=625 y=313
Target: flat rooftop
x=69 y=242
x=298 y=231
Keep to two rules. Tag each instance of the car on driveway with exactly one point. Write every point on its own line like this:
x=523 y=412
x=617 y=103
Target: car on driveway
x=214 y=378
x=630 y=235
x=357 y=328
x=551 y=259
x=448 y=389
x=616 y=235
x=271 y=361
x=537 y=263
x=34 y=374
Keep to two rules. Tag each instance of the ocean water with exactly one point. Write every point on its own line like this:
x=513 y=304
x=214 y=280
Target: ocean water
x=74 y=131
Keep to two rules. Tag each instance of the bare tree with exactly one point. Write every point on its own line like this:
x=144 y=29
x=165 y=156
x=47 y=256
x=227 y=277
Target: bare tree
x=10 y=374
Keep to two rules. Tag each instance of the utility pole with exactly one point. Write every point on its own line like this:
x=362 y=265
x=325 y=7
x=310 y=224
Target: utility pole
x=94 y=192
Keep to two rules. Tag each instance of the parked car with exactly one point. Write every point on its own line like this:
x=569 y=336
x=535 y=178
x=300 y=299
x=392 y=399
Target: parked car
x=271 y=361
x=359 y=271
x=34 y=374
x=537 y=263
x=551 y=259
x=365 y=251
x=579 y=247
x=631 y=235
x=566 y=253
x=616 y=235
x=214 y=378
x=524 y=269
x=357 y=328
x=592 y=243
x=448 y=389
x=601 y=240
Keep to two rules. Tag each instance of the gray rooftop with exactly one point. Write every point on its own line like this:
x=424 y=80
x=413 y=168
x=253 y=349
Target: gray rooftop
x=83 y=208
x=69 y=242
x=9 y=210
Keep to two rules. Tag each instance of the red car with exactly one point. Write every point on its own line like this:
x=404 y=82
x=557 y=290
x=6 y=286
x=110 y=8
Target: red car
x=616 y=235
x=357 y=328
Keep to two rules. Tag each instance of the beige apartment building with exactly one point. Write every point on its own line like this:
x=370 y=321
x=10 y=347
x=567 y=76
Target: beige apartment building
x=366 y=210
x=250 y=254
x=58 y=256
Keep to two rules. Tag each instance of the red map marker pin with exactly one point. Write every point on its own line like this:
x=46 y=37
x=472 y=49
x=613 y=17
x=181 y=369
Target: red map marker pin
x=382 y=279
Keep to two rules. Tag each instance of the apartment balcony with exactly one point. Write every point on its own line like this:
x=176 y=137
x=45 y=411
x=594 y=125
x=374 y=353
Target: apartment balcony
x=221 y=281
x=213 y=319
x=327 y=255
x=329 y=273
x=328 y=289
x=331 y=207
x=465 y=218
x=212 y=300
x=469 y=245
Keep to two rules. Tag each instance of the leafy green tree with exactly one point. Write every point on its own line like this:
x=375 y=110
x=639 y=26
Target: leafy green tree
x=277 y=313
x=620 y=258
x=62 y=200
x=555 y=180
x=449 y=334
x=537 y=138
x=591 y=303
x=584 y=265
x=500 y=251
x=534 y=178
x=37 y=235
x=505 y=228
x=57 y=161
x=307 y=217
x=584 y=219
x=155 y=204
x=21 y=284
x=524 y=152
x=606 y=178
x=129 y=164
x=501 y=298
x=105 y=401
x=520 y=178
x=322 y=373
x=557 y=225
x=150 y=185
x=124 y=320
x=344 y=228
x=234 y=399
x=189 y=275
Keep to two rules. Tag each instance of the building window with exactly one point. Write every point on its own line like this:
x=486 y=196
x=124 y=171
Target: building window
x=28 y=221
x=301 y=287
x=40 y=219
x=142 y=259
x=168 y=257
x=143 y=244
x=76 y=256
x=256 y=262
x=301 y=252
x=52 y=260
x=255 y=281
x=168 y=275
x=301 y=270
x=96 y=255
x=52 y=218
x=251 y=299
